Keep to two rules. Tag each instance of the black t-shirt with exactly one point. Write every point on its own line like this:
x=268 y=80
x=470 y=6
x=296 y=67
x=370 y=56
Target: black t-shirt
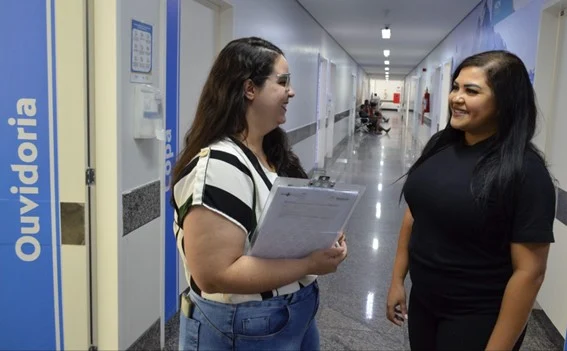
x=458 y=252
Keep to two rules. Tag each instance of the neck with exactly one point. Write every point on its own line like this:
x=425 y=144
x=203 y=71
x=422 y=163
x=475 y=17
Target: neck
x=253 y=138
x=472 y=139
x=253 y=141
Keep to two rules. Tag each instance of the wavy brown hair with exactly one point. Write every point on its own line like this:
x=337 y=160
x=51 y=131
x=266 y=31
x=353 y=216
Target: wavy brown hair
x=221 y=111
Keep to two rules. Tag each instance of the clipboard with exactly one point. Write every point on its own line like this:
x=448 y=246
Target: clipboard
x=302 y=216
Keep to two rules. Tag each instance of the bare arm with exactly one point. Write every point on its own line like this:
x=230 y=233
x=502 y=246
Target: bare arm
x=529 y=262
x=214 y=247
x=402 y=257
x=396 y=306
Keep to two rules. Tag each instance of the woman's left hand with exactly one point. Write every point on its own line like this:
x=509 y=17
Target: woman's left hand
x=342 y=238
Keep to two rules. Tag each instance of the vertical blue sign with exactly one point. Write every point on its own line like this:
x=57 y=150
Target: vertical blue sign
x=30 y=303
x=171 y=126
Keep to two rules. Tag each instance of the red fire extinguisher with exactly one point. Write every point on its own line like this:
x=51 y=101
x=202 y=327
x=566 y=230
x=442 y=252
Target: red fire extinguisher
x=425 y=105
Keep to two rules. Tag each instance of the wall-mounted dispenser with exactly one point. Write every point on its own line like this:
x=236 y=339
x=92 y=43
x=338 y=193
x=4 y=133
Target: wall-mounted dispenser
x=148 y=112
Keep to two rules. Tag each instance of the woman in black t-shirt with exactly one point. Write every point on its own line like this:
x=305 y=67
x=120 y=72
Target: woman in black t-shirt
x=481 y=207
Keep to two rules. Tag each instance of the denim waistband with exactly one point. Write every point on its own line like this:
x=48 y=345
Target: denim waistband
x=281 y=300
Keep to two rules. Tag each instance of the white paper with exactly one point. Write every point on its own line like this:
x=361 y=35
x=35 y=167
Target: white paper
x=300 y=220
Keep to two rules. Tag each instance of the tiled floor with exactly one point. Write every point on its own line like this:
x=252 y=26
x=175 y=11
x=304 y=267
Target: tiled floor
x=353 y=300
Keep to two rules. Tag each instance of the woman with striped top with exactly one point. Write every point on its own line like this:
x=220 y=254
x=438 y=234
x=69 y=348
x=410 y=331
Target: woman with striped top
x=233 y=153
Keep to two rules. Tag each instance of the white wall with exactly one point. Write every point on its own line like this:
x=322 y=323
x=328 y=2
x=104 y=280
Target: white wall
x=341 y=130
x=363 y=82
x=139 y=251
x=386 y=89
x=550 y=83
x=291 y=28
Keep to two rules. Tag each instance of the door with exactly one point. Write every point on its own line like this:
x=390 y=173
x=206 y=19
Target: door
x=444 y=97
x=353 y=108
x=322 y=78
x=436 y=100
x=331 y=96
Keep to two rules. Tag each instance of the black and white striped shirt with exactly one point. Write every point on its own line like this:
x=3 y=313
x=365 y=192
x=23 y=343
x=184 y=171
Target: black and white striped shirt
x=227 y=178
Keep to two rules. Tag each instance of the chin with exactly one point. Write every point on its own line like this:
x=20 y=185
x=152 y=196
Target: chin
x=457 y=125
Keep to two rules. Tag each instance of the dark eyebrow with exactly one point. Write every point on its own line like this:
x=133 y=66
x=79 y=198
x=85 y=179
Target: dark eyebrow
x=472 y=86
x=468 y=86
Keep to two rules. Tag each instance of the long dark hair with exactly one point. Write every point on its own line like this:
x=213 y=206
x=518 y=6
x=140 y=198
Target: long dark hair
x=500 y=166
x=221 y=111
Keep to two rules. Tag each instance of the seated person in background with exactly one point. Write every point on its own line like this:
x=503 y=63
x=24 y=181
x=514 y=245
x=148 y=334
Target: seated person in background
x=363 y=112
x=375 y=126
x=381 y=116
x=376 y=112
x=375 y=100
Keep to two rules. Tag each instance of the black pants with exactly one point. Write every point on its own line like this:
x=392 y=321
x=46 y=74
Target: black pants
x=430 y=330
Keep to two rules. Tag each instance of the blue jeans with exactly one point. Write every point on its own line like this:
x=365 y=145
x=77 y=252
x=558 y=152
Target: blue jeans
x=280 y=323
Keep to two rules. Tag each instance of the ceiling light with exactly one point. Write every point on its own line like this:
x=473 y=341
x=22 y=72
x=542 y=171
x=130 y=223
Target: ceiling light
x=386 y=33
x=387 y=68
x=386 y=62
x=386 y=53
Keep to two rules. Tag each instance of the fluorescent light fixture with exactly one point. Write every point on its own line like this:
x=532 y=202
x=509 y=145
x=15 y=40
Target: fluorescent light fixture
x=386 y=53
x=387 y=68
x=386 y=33
x=386 y=62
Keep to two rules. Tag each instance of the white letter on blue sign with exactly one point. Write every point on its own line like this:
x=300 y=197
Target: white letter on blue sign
x=27 y=175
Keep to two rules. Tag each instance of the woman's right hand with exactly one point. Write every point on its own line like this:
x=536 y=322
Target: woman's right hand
x=397 y=311
x=326 y=261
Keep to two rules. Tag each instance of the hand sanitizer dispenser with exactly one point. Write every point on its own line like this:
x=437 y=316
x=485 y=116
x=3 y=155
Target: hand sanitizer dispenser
x=148 y=112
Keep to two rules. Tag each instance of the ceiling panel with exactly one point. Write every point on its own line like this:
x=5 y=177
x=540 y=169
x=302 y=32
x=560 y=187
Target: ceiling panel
x=417 y=27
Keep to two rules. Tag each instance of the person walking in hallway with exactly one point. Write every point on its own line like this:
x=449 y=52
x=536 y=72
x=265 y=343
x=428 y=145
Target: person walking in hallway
x=481 y=206
x=233 y=153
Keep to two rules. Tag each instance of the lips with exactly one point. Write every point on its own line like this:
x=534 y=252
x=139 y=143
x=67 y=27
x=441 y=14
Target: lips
x=459 y=112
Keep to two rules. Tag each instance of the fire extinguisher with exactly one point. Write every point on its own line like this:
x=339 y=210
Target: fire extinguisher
x=425 y=105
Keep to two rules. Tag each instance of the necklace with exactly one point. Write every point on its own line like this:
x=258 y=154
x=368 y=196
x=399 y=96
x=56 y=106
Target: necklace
x=266 y=164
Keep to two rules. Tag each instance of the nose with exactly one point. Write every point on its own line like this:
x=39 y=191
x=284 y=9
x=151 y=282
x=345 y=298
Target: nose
x=455 y=98
x=291 y=92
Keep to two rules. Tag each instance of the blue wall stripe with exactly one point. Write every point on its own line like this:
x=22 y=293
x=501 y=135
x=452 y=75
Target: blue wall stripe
x=172 y=120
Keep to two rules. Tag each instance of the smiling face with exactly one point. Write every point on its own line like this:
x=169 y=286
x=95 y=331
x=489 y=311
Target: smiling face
x=269 y=102
x=473 y=106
